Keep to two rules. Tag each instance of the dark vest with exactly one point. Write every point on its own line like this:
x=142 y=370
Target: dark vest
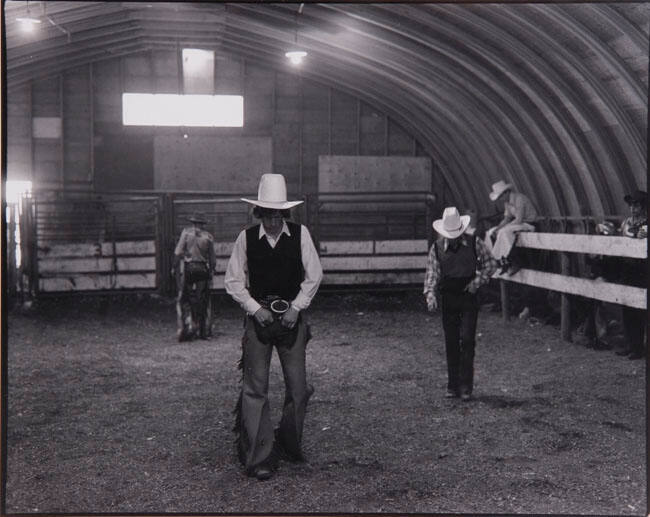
x=274 y=271
x=457 y=268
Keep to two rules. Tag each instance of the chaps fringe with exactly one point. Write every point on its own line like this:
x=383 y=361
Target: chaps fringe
x=241 y=437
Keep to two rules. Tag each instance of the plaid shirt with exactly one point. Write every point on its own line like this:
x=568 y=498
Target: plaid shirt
x=486 y=265
x=630 y=226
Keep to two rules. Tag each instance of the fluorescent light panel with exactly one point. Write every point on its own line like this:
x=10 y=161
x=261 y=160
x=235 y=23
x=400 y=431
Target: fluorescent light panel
x=161 y=109
x=15 y=189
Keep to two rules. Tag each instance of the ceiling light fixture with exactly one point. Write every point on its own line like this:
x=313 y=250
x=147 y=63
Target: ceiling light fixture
x=28 y=22
x=296 y=55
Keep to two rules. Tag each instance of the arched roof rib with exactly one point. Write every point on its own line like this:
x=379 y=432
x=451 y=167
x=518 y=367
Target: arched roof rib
x=476 y=82
x=611 y=113
x=551 y=96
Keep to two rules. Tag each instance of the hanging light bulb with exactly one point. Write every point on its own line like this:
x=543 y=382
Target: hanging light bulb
x=296 y=55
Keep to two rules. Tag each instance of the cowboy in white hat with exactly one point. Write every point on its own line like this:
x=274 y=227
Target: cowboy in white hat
x=457 y=265
x=519 y=215
x=194 y=265
x=273 y=273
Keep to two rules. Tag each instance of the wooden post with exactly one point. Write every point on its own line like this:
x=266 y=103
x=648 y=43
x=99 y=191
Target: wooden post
x=33 y=249
x=166 y=245
x=313 y=217
x=429 y=203
x=565 y=309
x=504 y=299
x=11 y=252
x=161 y=272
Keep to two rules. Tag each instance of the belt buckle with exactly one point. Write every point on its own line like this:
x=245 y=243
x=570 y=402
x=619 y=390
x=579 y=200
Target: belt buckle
x=279 y=306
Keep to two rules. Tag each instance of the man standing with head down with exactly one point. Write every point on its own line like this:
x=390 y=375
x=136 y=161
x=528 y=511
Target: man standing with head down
x=457 y=265
x=273 y=273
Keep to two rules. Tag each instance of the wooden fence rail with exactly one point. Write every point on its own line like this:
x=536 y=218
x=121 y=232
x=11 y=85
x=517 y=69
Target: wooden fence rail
x=568 y=285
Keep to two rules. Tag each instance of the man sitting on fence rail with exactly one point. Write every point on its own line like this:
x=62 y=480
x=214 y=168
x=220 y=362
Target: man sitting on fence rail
x=519 y=215
x=194 y=264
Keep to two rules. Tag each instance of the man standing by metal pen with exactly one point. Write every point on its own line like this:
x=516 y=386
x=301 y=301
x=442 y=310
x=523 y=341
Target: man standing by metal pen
x=273 y=273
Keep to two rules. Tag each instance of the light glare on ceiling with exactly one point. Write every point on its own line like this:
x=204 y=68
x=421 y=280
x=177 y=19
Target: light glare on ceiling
x=296 y=56
x=28 y=23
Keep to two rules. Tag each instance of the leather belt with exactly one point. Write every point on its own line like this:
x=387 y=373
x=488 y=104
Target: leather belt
x=275 y=304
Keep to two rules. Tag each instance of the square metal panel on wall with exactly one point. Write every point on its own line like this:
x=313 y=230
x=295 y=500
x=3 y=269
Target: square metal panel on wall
x=211 y=163
x=373 y=173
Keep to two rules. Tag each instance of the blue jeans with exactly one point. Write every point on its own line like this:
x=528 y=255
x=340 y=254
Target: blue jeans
x=459 y=317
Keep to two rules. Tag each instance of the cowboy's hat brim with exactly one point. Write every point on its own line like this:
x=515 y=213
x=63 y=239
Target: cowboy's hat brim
x=496 y=194
x=635 y=198
x=464 y=223
x=276 y=205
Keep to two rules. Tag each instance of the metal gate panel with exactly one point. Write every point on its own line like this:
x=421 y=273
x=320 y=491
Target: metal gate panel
x=97 y=243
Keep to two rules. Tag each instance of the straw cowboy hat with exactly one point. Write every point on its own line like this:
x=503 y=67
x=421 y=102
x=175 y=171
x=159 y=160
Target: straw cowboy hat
x=638 y=196
x=272 y=193
x=452 y=224
x=197 y=217
x=499 y=188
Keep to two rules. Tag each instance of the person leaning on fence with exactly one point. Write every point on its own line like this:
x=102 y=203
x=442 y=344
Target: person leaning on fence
x=597 y=323
x=273 y=273
x=634 y=273
x=194 y=265
x=457 y=265
x=518 y=216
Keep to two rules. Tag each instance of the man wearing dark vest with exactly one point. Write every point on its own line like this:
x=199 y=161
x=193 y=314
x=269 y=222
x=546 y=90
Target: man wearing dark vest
x=457 y=265
x=273 y=273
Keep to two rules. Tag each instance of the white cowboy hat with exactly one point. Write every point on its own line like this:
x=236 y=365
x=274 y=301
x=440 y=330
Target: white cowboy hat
x=499 y=188
x=272 y=193
x=452 y=224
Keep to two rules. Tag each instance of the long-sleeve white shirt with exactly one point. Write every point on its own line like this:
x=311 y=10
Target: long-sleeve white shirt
x=236 y=278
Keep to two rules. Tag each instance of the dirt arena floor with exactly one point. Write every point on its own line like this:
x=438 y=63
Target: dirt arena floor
x=108 y=413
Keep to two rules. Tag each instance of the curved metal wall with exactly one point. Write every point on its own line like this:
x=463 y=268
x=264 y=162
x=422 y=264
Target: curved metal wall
x=552 y=97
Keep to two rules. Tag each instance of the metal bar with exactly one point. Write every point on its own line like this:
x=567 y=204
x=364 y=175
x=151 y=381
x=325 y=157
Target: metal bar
x=374 y=193
x=358 y=127
x=91 y=95
x=31 y=135
x=62 y=139
x=11 y=250
x=329 y=120
x=386 y=136
x=34 y=287
x=207 y=200
x=300 y=134
x=160 y=271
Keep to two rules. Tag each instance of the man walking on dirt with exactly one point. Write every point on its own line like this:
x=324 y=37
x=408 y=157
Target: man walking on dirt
x=457 y=265
x=194 y=264
x=273 y=273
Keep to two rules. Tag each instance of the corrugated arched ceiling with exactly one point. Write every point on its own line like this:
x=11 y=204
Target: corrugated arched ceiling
x=552 y=97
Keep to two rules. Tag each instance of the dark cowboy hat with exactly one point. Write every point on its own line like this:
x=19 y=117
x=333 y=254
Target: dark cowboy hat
x=638 y=196
x=197 y=217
